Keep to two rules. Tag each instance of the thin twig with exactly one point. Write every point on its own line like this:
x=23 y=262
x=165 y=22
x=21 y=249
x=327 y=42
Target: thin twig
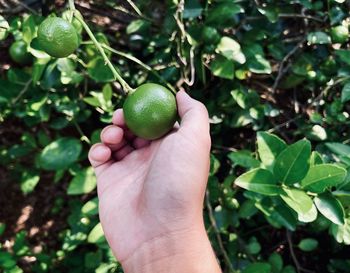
x=217 y=232
x=330 y=86
x=83 y=136
x=287 y=15
x=294 y=257
x=139 y=62
x=126 y=87
x=136 y=9
x=281 y=69
x=277 y=127
x=192 y=68
x=23 y=91
x=224 y=148
x=25 y=7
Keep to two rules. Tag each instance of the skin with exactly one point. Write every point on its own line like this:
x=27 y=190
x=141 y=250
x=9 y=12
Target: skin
x=151 y=194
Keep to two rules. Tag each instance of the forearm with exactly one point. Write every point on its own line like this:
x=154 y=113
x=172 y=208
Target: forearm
x=187 y=251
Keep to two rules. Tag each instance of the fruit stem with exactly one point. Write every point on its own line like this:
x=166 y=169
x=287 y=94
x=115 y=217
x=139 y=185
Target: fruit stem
x=126 y=87
x=139 y=62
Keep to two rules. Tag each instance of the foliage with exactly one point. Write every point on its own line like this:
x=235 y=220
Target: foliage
x=274 y=73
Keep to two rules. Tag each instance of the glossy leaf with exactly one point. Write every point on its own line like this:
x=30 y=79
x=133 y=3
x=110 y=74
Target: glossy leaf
x=330 y=207
x=323 y=176
x=284 y=216
x=231 y=49
x=339 y=148
x=292 y=164
x=342 y=233
x=83 y=182
x=96 y=235
x=298 y=200
x=259 y=181
x=315 y=159
x=258 y=268
x=308 y=244
x=345 y=93
x=60 y=154
x=244 y=159
x=90 y=207
x=223 y=67
x=269 y=147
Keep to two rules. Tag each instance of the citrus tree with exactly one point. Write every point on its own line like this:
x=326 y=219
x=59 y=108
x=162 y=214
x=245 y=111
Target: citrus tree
x=274 y=76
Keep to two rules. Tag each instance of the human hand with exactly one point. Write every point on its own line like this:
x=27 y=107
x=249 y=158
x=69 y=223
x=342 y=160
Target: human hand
x=151 y=193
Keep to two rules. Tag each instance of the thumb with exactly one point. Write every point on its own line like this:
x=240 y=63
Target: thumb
x=193 y=114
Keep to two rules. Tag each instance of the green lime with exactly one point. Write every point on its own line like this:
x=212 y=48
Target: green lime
x=150 y=111
x=210 y=35
x=57 y=37
x=66 y=15
x=339 y=34
x=19 y=53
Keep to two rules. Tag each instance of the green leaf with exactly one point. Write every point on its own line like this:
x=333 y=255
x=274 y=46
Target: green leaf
x=308 y=216
x=308 y=244
x=253 y=246
x=323 y=176
x=318 y=37
x=345 y=93
x=29 y=181
x=276 y=262
x=284 y=216
x=60 y=154
x=96 y=235
x=247 y=209
x=269 y=147
x=244 y=159
x=137 y=26
x=223 y=67
x=271 y=12
x=339 y=148
x=330 y=207
x=83 y=182
x=2 y=228
x=99 y=71
x=292 y=163
x=107 y=92
x=342 y=233
x=259 y=65
x=258 y=268
x=222 y=14
x=192 y=9
x=90 y=207
x=315 y=159
x=4 y=27
x=289 y=269
x=317 y=132
x=344 y=55
x=259 y=181
x=230 y=49
x=298 y=200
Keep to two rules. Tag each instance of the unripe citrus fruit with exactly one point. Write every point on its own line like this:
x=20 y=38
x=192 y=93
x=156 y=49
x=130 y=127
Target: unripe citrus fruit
x=57 y=37
x=339 y=34
x=150 y=111
x=19 y=53
x=210 y=35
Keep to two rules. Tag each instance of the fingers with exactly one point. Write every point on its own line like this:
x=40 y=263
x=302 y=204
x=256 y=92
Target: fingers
x=112 y=136
x=99 y=156
x=118 y=118
x=193 y=114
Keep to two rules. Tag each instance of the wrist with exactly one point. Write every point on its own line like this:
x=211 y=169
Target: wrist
x=182 y=251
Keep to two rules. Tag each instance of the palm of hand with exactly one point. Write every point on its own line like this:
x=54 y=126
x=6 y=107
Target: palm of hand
x=149 y=189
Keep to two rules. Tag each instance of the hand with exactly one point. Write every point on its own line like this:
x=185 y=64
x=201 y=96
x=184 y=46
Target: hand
x=151 y=193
